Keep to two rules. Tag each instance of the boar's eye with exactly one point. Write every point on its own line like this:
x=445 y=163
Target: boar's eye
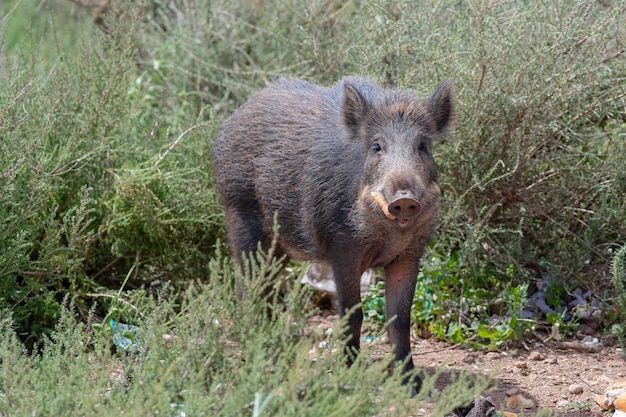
x=376 y=148
x=422 y=147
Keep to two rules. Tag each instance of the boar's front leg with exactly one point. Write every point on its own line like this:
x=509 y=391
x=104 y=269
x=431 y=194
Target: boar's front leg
x=400 y=280
x=348 y=282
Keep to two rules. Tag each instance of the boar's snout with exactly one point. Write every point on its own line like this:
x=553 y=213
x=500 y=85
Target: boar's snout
x=404 y=205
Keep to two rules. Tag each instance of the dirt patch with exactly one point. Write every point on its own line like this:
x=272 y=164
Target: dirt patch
x=555 y=376
x=564 y=381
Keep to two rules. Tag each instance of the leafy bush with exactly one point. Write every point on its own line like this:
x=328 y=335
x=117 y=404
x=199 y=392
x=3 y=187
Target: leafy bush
x=208 y=352
x=93 y=179
x=488 y=316
x=375 y=304
x=223 y=51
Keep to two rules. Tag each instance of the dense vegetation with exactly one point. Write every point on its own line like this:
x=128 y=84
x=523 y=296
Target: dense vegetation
x=107 y=209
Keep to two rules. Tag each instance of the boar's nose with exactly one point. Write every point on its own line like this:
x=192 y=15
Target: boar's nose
x=404 y=205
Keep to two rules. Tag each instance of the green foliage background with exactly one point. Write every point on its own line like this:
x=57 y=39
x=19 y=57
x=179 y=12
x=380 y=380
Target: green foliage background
x=105 y=136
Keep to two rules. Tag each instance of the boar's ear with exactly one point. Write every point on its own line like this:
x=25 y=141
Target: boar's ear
x=440 y=106
x=355 y=106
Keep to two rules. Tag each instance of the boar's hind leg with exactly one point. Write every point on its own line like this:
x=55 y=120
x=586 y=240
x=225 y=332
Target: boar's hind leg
x=245 y=231
x=348 y=285
x=400 y=280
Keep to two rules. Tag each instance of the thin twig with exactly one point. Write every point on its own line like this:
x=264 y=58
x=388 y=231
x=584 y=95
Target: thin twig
x=116 y=297
x=178 y=139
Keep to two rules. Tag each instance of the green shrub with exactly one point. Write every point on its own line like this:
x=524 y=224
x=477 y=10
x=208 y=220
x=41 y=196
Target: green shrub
x=208 y=353
x=223 y=51
x=95 y=178
x=452 y=307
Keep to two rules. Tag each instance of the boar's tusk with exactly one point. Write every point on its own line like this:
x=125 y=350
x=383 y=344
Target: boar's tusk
x=378 y=198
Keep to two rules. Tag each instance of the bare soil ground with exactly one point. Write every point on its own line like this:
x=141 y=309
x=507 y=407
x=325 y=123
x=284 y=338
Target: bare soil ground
x=563 y=377
x=544 y=377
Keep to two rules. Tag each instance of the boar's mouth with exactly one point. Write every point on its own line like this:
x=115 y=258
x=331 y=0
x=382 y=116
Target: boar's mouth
x=402 y=207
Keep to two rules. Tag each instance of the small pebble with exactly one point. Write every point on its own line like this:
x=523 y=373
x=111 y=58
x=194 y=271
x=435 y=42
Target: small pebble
x=521 y=364
x=551 y=360
x=576 y=389
x=512 y=391
x=536 y=356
